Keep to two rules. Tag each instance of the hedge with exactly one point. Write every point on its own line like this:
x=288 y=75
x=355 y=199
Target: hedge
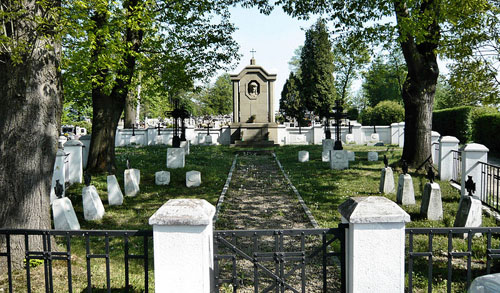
x=485 y=132
x=453 y=122
x=384 y=113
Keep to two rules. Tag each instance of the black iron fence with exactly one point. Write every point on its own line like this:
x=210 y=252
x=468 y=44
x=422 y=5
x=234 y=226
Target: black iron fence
x=457 y=167
x=454 y=255
x=44 y=247
x=299 y=260
x=490 y=185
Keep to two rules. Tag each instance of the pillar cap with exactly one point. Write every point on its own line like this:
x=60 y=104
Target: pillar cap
x=449 y=139
x=474 y=147
x=372 y=209
x=183 y=212
x=73 y=142
x=435 y=133
x=401 y=123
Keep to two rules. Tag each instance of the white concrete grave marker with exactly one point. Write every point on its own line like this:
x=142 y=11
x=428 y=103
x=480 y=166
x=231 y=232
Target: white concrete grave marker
x=469 y=212
x=92 y=204
x=432 y=205
x=208 y=139
x=64 y=215
x=372 y=156
x=176 y=158
x=74 y=148
x=351 y=156
x=115 y=195
x=132 y=178
x=185 y=145
x=349 y=138
x=162 y=178
x=338 y=160
x=386 y=185
x=193 y=178
x=58 y=174
x=303 y=156
x=328 y=144
x=405 y=194
x=325 y=156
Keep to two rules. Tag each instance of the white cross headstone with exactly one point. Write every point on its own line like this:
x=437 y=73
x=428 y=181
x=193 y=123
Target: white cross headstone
x=115 y=195
x=64 y=215
x=162 y=178
x=92 y=204
x=193 y=179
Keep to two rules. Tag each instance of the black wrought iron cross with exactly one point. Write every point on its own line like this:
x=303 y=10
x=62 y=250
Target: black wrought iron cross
x=338 y=114
x=159 y=128
x=208 y=129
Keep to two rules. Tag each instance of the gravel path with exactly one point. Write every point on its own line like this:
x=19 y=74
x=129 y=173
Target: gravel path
x=260 y=198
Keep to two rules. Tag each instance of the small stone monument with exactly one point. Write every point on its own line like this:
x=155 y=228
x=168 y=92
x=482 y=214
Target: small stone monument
x=115 y=195
x=193 y=178
x=405 y=194
x=432 y=205
x=92 y=204
x=372 y=156
x=63 y=213
x=176 y=158
x=351 y=156
x=349 y=138
x=328 y=144
x=186 y=145
x=132 y=178
x=325 y=156
x=470 y=208
x=162 y=178
x=303 y=156
x=338 y=160
x=386 y=185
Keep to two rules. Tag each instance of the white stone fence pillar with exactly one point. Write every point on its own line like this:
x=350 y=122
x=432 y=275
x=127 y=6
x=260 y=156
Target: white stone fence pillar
x=75 y=150
x=435 y=140
x=472 y=154
x=401 y=133
x=183 y=246
x=447 y=144
x=375 y=250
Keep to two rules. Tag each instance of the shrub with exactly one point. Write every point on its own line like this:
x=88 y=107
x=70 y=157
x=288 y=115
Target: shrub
x=485 y=128
x=454 y=122
x=365 y=117
x=85 y=124
x=387 y=112
x=352 y=114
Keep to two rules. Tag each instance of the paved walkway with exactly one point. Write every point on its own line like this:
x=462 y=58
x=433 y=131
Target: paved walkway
x=259 y=197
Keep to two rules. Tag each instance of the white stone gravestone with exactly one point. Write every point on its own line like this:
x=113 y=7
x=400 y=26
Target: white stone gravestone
x=374 y=138
x=176 y=158
x=351 y=156
x=469 y=212
x=115 y=195
x=74 y=148
x=208 y=139
x=92 y=204
x=185 y=145
x=372 y=156
x=386 y=185
x=405 y=194
x=162 y=178
x=303 y=156
x=325 y=156
x=132 y=180
x=193 y=178
x=64 y=215
x=328 y=144
x=432 y=205
x=349 y=138
x=58 y=174
x=338 y=160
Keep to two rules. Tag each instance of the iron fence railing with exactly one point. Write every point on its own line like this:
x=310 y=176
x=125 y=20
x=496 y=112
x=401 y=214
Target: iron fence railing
x=97 y=246
x=299 y=260
x=490 y=185
x=457 y=167
x=456 y=255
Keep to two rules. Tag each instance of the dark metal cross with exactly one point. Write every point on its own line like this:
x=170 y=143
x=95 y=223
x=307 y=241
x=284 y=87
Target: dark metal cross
x=133 y=129
x=338 y=115
x=208 y=129
x=253 y=51
x=158 y=127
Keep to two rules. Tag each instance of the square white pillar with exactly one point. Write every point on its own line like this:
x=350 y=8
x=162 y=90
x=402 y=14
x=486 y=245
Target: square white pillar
x=74 y=149
x=447 y=144
x=183 y=246
x=472 y=154
x=401 y=133
x=375 y=252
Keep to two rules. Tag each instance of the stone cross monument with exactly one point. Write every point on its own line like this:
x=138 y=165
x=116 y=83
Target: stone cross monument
x=253 y=105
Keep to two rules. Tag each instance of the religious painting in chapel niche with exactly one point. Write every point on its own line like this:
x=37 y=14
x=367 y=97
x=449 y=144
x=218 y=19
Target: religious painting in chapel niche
x=253 y=90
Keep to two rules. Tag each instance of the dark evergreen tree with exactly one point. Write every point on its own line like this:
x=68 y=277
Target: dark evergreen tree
x=290 y=102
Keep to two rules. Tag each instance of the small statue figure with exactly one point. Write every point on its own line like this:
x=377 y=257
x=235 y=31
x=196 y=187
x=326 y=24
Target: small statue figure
x=405 y=167
x=430 y=175
x=470 y=186
x=386 y=162
x=87 y=178
x=128 y=163
x=58 y=189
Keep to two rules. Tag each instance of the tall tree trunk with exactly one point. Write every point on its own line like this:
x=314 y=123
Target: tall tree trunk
x=30 y=115
x=109 y=107
x=420 y=84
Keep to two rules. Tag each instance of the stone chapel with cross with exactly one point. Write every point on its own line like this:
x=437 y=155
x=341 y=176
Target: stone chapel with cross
x=253 y=106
